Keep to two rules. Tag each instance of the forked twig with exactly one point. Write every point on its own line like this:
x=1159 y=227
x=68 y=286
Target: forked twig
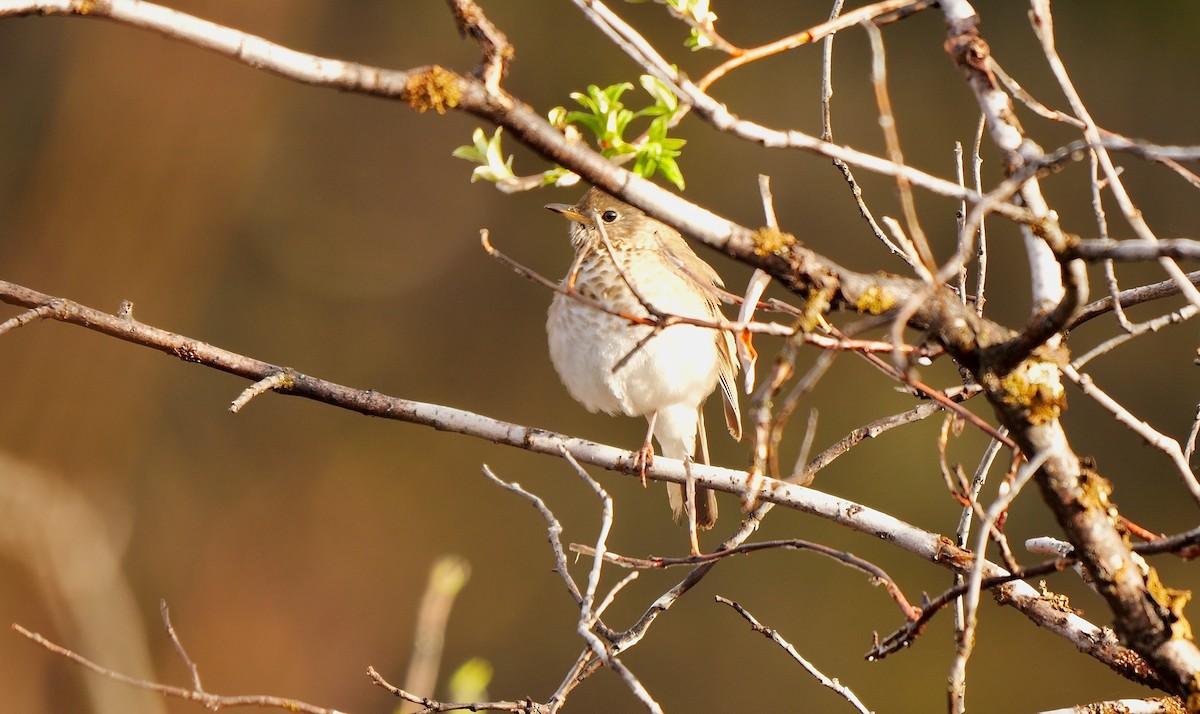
x=878 y=575
x=209 y=700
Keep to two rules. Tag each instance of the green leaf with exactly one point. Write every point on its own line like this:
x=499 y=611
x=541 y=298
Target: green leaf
x=670 y=171
x=558 y=176
x=697 y=40
x=487 y=153
x=558 y=117
x=664 y=98
x=606 y=117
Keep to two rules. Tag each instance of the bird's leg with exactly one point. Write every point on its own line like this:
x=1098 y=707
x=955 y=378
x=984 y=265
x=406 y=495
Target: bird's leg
x=645 y=455
x=689 y=505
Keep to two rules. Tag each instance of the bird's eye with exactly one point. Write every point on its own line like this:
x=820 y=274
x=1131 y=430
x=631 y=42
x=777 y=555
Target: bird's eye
x=608 y=216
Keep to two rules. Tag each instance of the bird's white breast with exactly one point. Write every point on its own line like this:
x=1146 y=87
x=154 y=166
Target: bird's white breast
x=678 y=366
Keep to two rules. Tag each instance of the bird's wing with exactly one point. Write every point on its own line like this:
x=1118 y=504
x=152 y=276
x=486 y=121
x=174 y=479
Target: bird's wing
x=683 y=259
x=728 y=376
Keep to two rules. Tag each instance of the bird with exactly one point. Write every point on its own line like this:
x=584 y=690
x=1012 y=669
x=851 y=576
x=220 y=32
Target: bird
x=629 y=263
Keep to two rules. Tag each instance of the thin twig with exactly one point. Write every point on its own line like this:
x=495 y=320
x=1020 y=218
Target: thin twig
x=887 y=120
x=960 y=216
x=1110 y=272
x=800 y=476
x=1043 y=26
x=193 y=670
x=963 y=532
x=841 y=689
x=587 y=614
x=867 y=431
x=1178 y=317
x=1190 y=443
x=553 y=529
x=1155 y=438
x=209 y=700
x=654 y=319
x=827 y=136
x=879 y=12
x=966 y=643
x=1181 y=543
x=38 y=313
x=981 y=254
x=429 y=706
x=1129 y=298
x=497 y=52
x=877 y=574
x=282 y=380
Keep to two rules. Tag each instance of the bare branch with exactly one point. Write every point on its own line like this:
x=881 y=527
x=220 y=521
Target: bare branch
x=1178 y=317
x=553 y=528
x=432 y=705
x=1158 y=440
x=1131 y=297
x=1134 y=250
x=1166 y=705
x=1043 y=26
x=1183 y=544
x=212 y=701
x=827 y=136
x=966 y=641
x=878 y=575
x=497 y=52
x=40 y=312
x=280 y=382
x=183 y=655
x=924 y=262
x=1190 y=443
x=878 y=13
x=841 y=689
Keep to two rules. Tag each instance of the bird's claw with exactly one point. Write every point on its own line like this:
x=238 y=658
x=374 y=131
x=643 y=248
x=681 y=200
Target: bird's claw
x=645 y=458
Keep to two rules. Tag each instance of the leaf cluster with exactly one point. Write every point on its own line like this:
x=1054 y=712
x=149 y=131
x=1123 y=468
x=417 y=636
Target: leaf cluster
x=605 y=116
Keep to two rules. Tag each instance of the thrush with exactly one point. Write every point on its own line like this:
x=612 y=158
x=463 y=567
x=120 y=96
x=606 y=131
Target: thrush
x=639 y=267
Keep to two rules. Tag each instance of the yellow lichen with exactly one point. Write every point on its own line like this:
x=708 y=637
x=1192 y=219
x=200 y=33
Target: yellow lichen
x=1057 y=601
x=1174 y=601
x=815 y=307
x=772 y=241
x=875 y=300
x=435 y=89
x=1095 y=488
x=1035 y=386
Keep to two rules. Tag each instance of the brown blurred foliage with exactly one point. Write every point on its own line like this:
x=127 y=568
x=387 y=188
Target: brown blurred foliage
x=336 y=235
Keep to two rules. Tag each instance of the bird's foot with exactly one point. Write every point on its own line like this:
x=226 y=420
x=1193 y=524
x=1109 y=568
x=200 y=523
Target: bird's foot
x=645 y=458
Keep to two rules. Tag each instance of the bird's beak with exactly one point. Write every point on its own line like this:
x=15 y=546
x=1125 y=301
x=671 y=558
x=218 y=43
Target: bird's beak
x=569 y=212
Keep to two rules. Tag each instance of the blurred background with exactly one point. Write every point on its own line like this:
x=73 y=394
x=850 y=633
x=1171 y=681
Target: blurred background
x=334 y=234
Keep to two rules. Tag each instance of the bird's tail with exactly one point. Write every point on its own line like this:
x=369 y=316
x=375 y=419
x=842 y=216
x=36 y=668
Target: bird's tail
x=706 y=500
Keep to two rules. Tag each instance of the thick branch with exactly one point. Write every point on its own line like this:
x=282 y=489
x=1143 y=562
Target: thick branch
x=929 y=546
x=1028 y=400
